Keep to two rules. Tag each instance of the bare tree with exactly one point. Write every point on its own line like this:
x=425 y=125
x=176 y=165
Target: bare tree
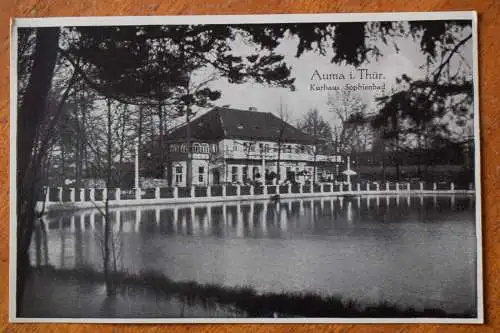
x=349 y=111
x=249 y=147
x=283 y=115
x=214 y=156
x=313 y=124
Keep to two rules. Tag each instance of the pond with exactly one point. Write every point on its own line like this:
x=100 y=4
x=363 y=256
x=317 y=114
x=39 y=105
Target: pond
x=411 y=251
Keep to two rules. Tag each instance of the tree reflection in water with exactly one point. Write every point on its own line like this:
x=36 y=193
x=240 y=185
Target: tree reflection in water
x=344 y=246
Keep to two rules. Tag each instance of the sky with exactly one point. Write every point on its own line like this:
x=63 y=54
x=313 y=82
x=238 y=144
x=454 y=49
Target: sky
x=298 y=102
x=392 y=64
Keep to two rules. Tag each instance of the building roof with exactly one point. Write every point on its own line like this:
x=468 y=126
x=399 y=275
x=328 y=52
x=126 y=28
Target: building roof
x=227 y=123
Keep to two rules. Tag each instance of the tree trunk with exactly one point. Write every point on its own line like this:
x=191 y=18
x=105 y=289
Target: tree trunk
x=63 y=163
x=189 y=162
x=314 y=164
x=245 y=180
x=122 y=148
x=278 y=164
x=31 y=114
x=161 y=167
x=107 y=220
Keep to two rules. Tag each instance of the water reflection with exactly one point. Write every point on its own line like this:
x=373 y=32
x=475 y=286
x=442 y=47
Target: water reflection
x=408 y=250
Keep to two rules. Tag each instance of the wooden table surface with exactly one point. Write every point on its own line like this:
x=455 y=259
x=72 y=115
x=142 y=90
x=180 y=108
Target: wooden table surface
x=489 y=55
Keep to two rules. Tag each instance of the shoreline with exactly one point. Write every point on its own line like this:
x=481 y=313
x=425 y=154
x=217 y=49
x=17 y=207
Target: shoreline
x=245 y=299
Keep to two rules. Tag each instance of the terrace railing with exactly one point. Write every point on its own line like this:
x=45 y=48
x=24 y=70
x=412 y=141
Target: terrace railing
x=65 y=194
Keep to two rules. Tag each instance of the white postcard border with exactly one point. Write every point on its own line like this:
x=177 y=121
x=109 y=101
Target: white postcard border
x=239 y=19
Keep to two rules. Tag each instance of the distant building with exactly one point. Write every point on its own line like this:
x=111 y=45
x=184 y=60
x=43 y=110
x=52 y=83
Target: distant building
x=239 y=146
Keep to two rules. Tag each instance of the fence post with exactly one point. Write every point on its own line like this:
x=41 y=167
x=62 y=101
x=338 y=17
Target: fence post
x=452 y=187
x=408 y=187
x=367 y=187
x=278 y=188
x=209 y=191
x=118 y=195
x=397 y=187
x=59 y=194
x=358 y=187
x=137 y=193
x=104 y=194
x=252 y=189
x=82 y=194
x=238 y=190
x=349 y=187
x=300 y=188
x=387 y=186
x=421 y=186
x=92 y=194
x=223 y=190
x=434 y=186
x=175 y=192
x=72 y=194
x=289 y=188
x=47 y=193
x=157 y=193
x=191 y=191
x=264 y=189
x=377 y=186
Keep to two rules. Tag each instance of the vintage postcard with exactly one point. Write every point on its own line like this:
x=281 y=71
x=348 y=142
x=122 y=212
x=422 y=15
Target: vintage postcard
x=255 y=168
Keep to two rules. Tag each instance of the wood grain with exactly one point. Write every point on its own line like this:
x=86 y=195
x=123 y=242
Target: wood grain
x=489 y=50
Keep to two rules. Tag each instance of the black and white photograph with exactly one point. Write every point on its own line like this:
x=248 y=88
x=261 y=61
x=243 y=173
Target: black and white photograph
x=253 y=168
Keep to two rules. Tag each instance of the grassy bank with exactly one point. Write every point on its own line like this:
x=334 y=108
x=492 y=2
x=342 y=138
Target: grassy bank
x=246 y=299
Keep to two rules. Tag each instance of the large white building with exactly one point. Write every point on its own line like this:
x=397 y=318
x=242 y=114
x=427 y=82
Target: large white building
x=239 y=146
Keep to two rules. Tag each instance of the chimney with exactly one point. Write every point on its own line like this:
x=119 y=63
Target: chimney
x=252 y=108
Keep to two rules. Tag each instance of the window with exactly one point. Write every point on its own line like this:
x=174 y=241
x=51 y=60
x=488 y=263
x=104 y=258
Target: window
x=201 y=174
x=178 y=174
x=196 y=148
x=234 y=174
x=252 y=147
x=266 y=148
x=235 y=147
x=245 y=173
x=255 y=172
x=261 y=146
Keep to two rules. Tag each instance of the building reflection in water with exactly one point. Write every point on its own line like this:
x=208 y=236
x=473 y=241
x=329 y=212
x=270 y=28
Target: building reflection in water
x=80 y=233
x=331 y=245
